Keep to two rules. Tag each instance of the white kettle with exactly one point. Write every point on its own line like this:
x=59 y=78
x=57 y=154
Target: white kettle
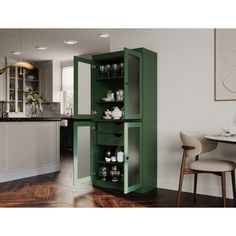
x=116 y=113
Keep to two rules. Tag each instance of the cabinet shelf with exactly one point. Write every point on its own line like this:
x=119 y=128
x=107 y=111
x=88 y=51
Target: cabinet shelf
x=110 y=78
x=108 y=184
x=110 y=102
x=113 y=120
x=110 y=163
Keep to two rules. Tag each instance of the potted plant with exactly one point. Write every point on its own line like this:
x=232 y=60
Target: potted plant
x=34 y=101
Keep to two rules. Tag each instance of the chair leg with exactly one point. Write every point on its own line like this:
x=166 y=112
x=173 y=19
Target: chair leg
x=195 y=185
x=181 y=177
x=223 y=188
x=233 y=185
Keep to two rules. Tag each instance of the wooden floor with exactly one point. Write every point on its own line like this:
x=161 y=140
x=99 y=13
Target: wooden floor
x=57 y=190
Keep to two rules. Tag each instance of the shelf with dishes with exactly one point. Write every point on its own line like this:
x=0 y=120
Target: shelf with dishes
x=110 y=162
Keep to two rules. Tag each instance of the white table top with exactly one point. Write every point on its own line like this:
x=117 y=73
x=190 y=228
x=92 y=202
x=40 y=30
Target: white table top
x=222 y=138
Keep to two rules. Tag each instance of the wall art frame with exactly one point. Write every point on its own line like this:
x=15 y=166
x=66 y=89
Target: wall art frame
x=225 y=64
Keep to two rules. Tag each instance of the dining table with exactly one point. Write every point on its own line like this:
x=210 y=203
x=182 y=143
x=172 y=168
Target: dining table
x=224 y=137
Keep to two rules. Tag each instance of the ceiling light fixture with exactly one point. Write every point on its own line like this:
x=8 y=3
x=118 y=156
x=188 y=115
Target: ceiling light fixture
x=16 y=52
x=104 y=35
x=70 y=42
x=41 y=48
x=21 y=64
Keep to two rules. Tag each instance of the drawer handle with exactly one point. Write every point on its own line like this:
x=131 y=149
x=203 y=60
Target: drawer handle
x=118 y=123
x=118 y=135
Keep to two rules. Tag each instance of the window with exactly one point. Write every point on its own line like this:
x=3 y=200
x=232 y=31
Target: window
x=67 y=90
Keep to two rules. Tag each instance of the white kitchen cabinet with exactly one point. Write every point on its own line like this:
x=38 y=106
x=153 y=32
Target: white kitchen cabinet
x=18 y=82
x=44 y=140
x=29 y=149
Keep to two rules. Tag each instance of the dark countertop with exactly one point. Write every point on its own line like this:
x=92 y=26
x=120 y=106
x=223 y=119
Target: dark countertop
x=30 y=119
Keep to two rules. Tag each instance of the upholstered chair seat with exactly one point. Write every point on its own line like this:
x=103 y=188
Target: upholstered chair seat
x=213 y=165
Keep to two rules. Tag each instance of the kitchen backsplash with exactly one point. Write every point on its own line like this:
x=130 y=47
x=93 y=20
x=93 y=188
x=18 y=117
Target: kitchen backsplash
x=50 y=109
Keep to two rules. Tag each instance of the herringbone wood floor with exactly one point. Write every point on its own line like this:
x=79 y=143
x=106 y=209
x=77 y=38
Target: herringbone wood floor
x=57 y=190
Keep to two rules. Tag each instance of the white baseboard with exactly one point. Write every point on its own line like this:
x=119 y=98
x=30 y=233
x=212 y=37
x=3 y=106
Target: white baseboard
x=206 y=189
x=20 y=174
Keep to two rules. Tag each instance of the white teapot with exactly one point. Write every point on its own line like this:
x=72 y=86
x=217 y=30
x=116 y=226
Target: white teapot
x=116 y=113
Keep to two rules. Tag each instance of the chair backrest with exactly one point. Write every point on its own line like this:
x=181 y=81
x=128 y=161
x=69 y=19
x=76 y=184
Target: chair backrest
x=198 y=141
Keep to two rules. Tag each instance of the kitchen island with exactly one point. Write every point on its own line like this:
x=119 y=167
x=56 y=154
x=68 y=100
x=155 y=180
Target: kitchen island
x=29 y=147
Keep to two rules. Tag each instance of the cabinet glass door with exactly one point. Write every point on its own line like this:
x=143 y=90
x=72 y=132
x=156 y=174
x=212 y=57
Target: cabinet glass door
x=82 y=151
x=82 y=88
x=132 y=158
x=133 y=84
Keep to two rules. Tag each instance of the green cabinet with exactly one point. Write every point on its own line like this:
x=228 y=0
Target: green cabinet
x=126 y=80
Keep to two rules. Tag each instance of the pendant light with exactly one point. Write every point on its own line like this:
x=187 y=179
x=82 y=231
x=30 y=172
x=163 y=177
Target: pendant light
x=21 y=64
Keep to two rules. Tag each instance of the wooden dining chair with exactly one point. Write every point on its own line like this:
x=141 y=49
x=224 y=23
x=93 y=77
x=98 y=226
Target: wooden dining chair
x=195 y=144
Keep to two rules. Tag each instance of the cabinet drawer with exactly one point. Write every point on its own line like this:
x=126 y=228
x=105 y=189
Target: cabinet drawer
x=110 y=139
x=116 y=127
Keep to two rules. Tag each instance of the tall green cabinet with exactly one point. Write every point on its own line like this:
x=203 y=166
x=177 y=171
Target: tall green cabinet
x=133 y=71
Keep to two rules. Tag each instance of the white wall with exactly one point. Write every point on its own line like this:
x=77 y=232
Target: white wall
x=185 y=97
x=56 y=81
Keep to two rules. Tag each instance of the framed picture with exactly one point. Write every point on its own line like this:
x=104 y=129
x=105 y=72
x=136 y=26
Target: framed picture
x=225 y=64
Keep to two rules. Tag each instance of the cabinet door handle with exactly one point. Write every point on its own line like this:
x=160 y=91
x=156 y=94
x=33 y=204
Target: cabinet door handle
x=127 y=158
x=94 y=113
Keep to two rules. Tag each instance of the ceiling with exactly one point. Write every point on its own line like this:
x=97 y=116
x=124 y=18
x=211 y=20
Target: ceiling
x=89 y=42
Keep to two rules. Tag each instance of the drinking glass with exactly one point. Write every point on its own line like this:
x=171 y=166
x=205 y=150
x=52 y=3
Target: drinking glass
x=102 y=70
x=114 y=69
x=121 y=69
x=107 y=70
x=103 y=172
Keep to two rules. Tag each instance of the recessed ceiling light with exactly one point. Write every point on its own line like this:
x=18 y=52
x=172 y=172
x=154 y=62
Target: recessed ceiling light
x=41 y=47
x=104 y=35
x=16 y=52
x=70 y=42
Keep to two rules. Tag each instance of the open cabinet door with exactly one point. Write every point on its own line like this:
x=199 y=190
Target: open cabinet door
x=133 y=84
x=82 y=151
x=83 y=72
x=132 y=156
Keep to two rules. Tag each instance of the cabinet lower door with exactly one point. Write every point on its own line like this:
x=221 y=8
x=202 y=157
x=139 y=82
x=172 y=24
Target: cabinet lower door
x=82 y=151
x=133 y=154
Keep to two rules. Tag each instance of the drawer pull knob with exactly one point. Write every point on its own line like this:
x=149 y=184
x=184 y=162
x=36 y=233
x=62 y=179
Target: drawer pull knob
x=118 y=135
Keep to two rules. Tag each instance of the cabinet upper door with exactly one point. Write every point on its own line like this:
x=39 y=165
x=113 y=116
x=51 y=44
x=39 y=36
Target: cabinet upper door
x=133 y=84
x=132 y=156
x=82 y=87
